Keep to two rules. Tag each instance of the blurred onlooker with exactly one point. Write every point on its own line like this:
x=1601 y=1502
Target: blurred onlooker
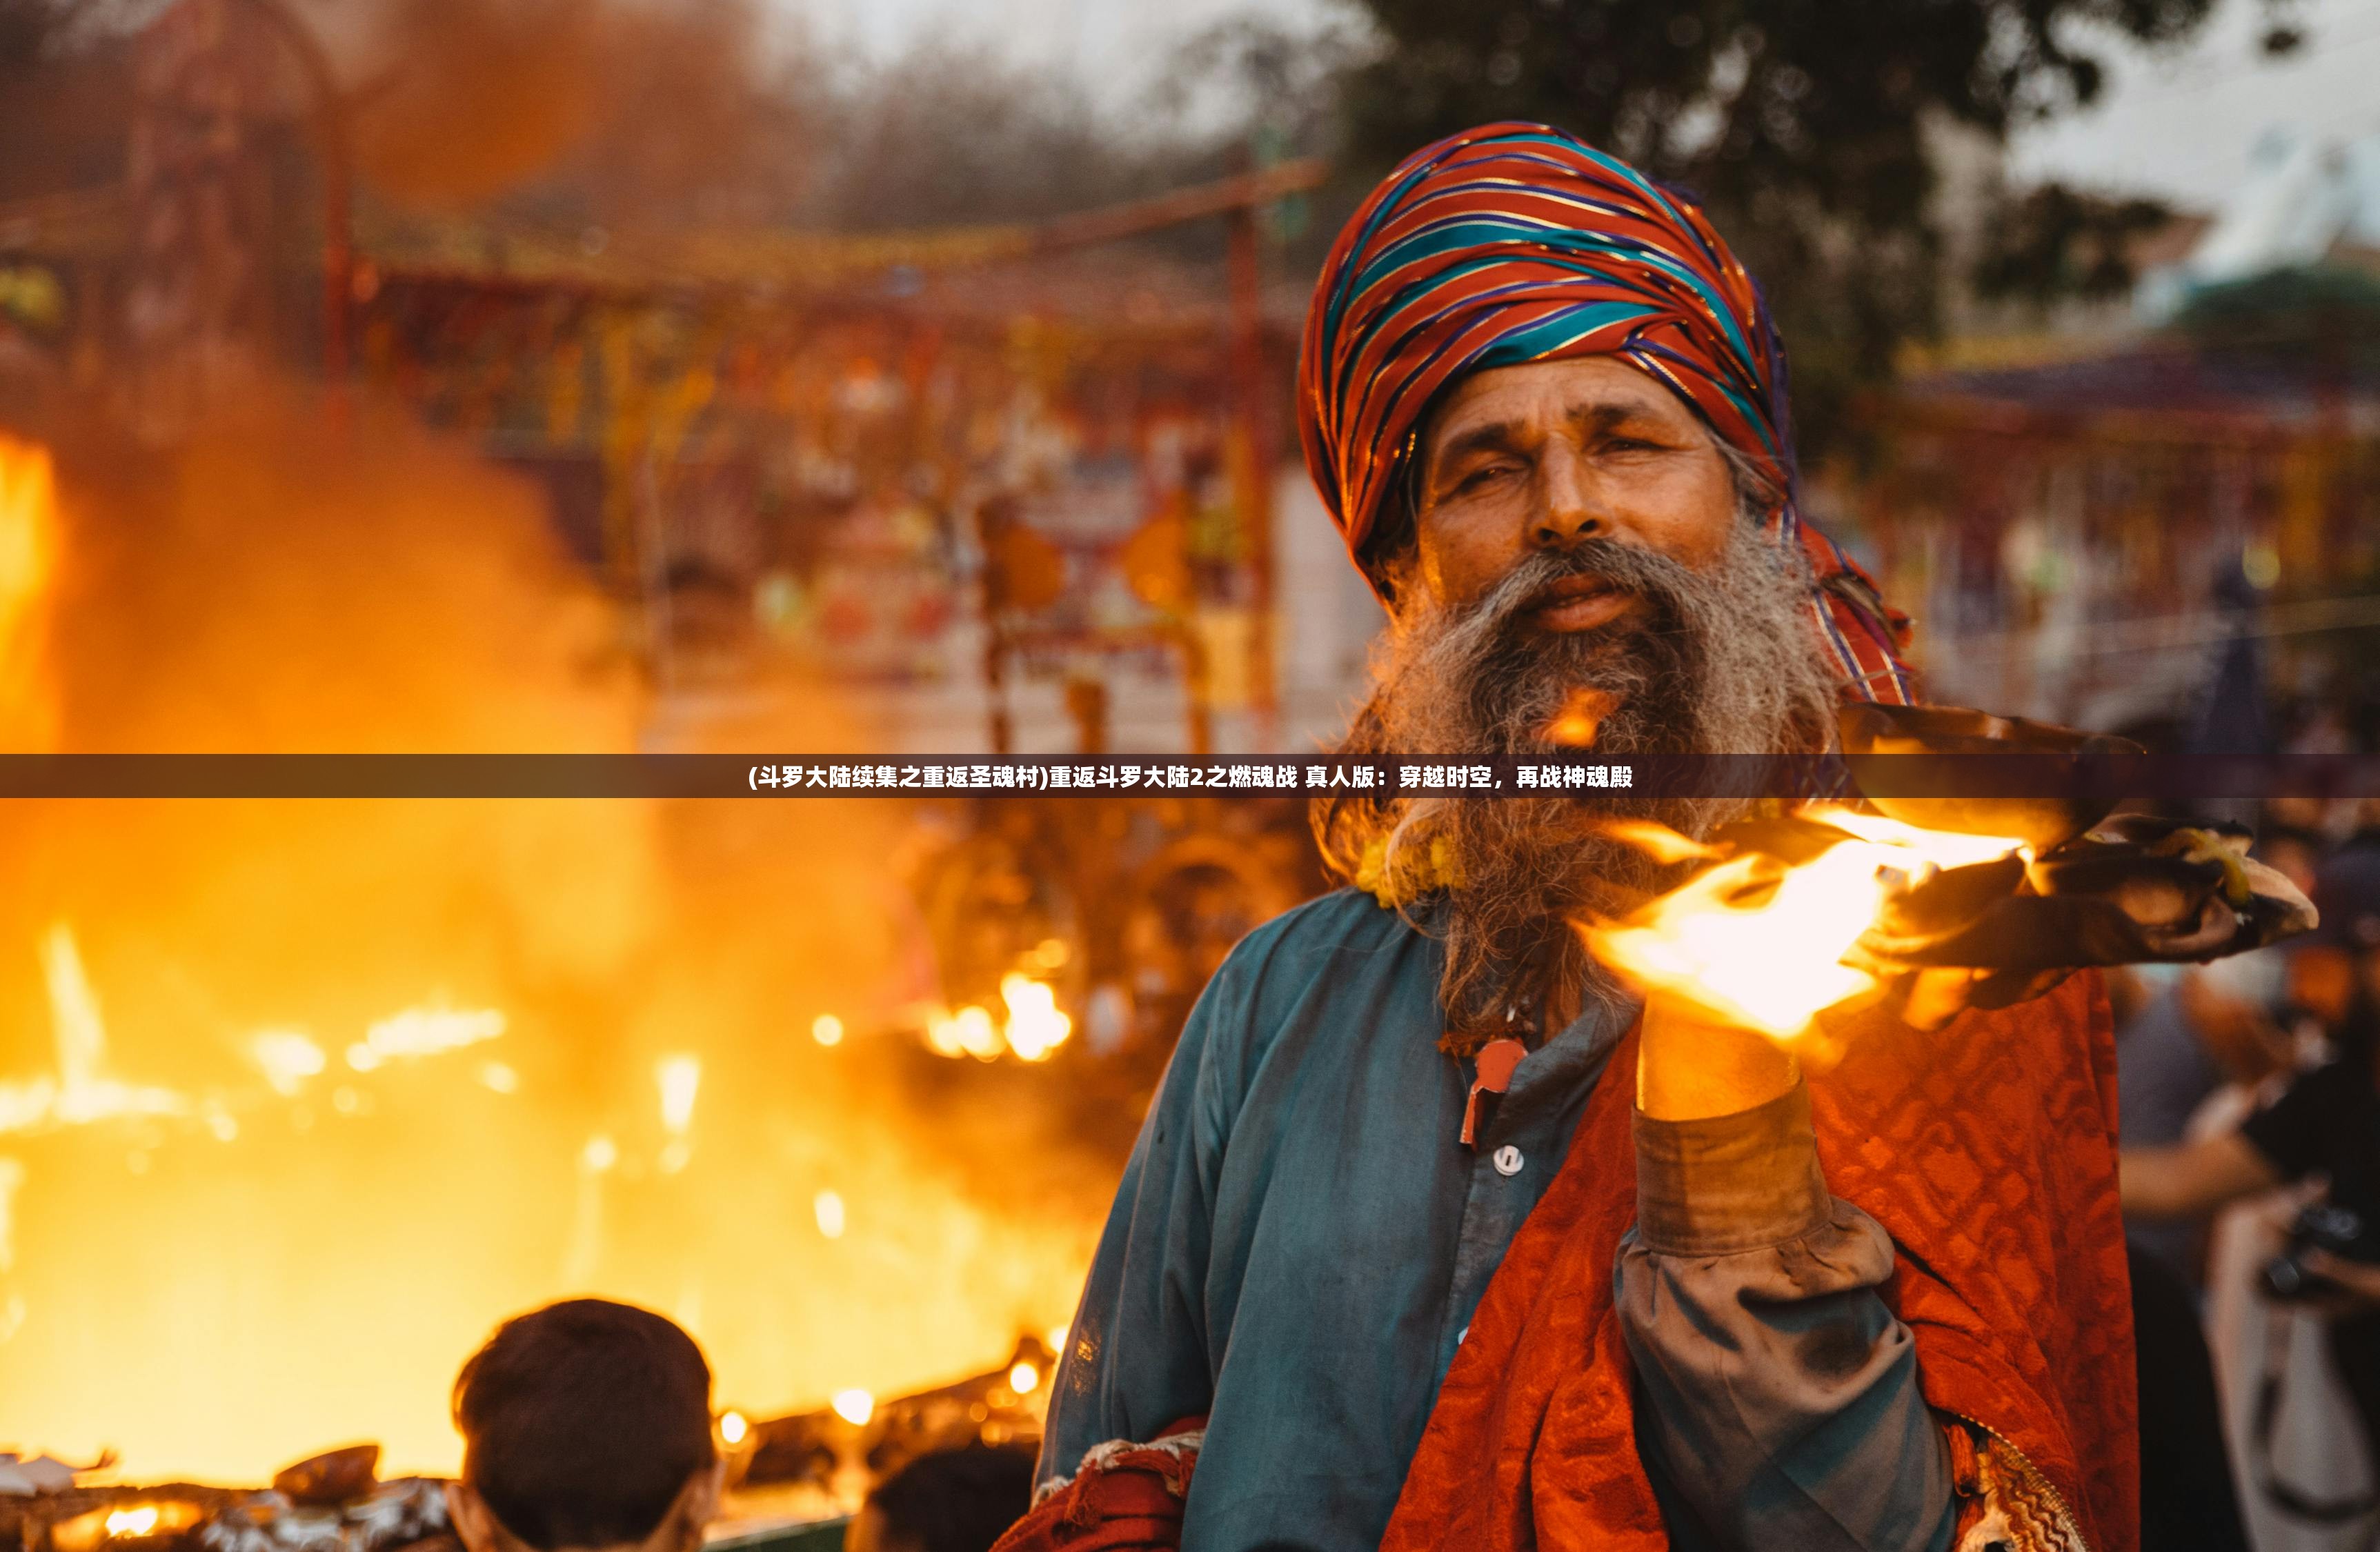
x=2293 y=849
x=586 y=1426
x=2192 y=1041
x=949 y=1500
x=2185 y=1036
x=2187 y=1497
x=2326 y=1125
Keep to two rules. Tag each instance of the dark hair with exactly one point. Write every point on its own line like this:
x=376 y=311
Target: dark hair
x=583 y=1421
x=956 y=1501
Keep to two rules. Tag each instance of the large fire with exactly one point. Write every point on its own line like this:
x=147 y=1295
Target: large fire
x=27 y=552
x=1757 y=943
x=297 y=1100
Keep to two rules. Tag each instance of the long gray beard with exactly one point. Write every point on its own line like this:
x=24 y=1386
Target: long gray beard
x=1722 y=661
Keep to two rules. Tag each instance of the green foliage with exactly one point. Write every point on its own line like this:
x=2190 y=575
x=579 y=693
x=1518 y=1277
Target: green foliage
x=2325 y=312
x=2055 y=241
x=1809 y=126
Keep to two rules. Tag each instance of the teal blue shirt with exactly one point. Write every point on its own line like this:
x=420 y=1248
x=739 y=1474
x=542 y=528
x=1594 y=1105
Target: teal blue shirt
x=1300 y=1239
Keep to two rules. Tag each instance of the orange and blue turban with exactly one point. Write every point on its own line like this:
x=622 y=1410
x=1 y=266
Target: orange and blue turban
x=1517 y=242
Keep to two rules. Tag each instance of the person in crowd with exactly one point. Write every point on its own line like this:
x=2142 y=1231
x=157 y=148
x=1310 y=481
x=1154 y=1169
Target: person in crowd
x=1370 y=1279
x=945 y=1500
x=586 y=1426
x=2326 y=1123
x=2196 y=1039
x=2187 y=1498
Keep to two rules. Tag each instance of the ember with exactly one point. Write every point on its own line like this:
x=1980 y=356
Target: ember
x=1032 y=1031
x=1581 y=717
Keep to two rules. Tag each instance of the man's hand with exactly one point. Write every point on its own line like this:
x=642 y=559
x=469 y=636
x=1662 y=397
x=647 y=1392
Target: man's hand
x=2194 y=1178
x=2358 y=1281
x=1687 y=1068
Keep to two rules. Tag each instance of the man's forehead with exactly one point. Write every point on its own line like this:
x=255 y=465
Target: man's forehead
x=1592 y=388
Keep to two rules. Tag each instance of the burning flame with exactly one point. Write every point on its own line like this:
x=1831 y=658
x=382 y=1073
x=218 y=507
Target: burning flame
x=1658 y=842
x=137 y=1521
x=1023 y=1378
x=733 y=1428
x=27 y=555
x=680 y=1078
x=12 y=1309
x=82 y=1093
x=1757 y=944
x=1581 y=717
x=288 y=1059
x=1036 y=1028
x=855 y=1407
x=1032 y=1031
x=418 y=1032
x=237 y=1201
x=968 y=1032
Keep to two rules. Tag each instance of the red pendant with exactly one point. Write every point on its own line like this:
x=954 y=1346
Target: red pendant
x=1496 y=1062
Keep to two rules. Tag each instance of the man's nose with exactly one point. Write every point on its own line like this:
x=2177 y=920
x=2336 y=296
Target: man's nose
x=1568 y=507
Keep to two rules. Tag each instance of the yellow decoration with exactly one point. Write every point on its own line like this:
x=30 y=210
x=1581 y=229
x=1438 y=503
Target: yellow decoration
x=1418 y=872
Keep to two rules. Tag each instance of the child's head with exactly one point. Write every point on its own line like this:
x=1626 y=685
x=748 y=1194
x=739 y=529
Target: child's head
x=586 y=1425
x=951 y=1500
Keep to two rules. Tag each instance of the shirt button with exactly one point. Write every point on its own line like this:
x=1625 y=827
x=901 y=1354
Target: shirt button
x=1508 y=1160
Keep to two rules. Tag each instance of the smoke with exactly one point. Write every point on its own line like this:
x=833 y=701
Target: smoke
x=620 y=112
x=480 y=95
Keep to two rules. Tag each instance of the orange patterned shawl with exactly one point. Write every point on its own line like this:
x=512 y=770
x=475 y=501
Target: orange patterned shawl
x=1987 y=1150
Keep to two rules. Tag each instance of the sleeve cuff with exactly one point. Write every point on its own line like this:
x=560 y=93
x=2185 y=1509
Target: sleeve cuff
x=1734 y=1182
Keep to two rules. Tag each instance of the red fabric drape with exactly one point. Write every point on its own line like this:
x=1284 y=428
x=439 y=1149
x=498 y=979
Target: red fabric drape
x=1987 y=1150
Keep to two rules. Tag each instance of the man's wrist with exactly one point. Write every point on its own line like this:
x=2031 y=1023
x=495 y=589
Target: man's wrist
x=1687 y=1068
x=1719 y=1184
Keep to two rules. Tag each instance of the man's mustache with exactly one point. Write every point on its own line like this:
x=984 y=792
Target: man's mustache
x=1605 y=564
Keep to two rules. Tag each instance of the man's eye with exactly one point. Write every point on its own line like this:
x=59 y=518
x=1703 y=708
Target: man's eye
x=1484 y=475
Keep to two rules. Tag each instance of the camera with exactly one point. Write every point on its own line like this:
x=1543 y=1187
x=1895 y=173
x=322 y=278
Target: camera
x=2323 y=1226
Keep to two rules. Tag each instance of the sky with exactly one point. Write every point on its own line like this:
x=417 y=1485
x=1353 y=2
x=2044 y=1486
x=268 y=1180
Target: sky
x=2177 y=124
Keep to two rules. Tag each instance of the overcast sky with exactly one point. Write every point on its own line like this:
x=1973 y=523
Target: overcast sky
x=2177 y=125
x=2180 y=124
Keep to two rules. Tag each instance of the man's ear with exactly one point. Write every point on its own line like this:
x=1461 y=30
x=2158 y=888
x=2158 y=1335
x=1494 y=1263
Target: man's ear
x=474 y=1523
x=697 y=1506
x=708 y=1486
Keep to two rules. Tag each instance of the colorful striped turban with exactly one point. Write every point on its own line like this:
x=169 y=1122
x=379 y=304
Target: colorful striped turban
x=1517 y=242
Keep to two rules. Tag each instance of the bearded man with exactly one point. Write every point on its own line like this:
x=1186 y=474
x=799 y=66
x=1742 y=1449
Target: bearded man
x=1547 y=406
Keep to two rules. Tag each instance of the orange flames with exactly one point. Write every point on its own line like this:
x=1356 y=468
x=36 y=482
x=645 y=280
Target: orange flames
x=80 y=1093
x=1034 y=1029
x=1757 y=944
x=1581 y=717
x=27 y=558
x=298 y=1100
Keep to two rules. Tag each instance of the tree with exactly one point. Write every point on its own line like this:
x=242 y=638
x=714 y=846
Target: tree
x=2054 y=242
x=64 y=71
x=1807 y=125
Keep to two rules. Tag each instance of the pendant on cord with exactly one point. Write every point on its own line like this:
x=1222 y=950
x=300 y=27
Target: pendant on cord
x=1496 y=1061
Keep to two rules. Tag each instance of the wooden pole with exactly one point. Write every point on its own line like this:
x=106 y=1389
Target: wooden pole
x=332 y=146
x=1252 y=469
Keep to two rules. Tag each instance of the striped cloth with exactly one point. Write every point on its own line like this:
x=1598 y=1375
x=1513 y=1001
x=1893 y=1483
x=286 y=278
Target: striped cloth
x=1517 y=242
